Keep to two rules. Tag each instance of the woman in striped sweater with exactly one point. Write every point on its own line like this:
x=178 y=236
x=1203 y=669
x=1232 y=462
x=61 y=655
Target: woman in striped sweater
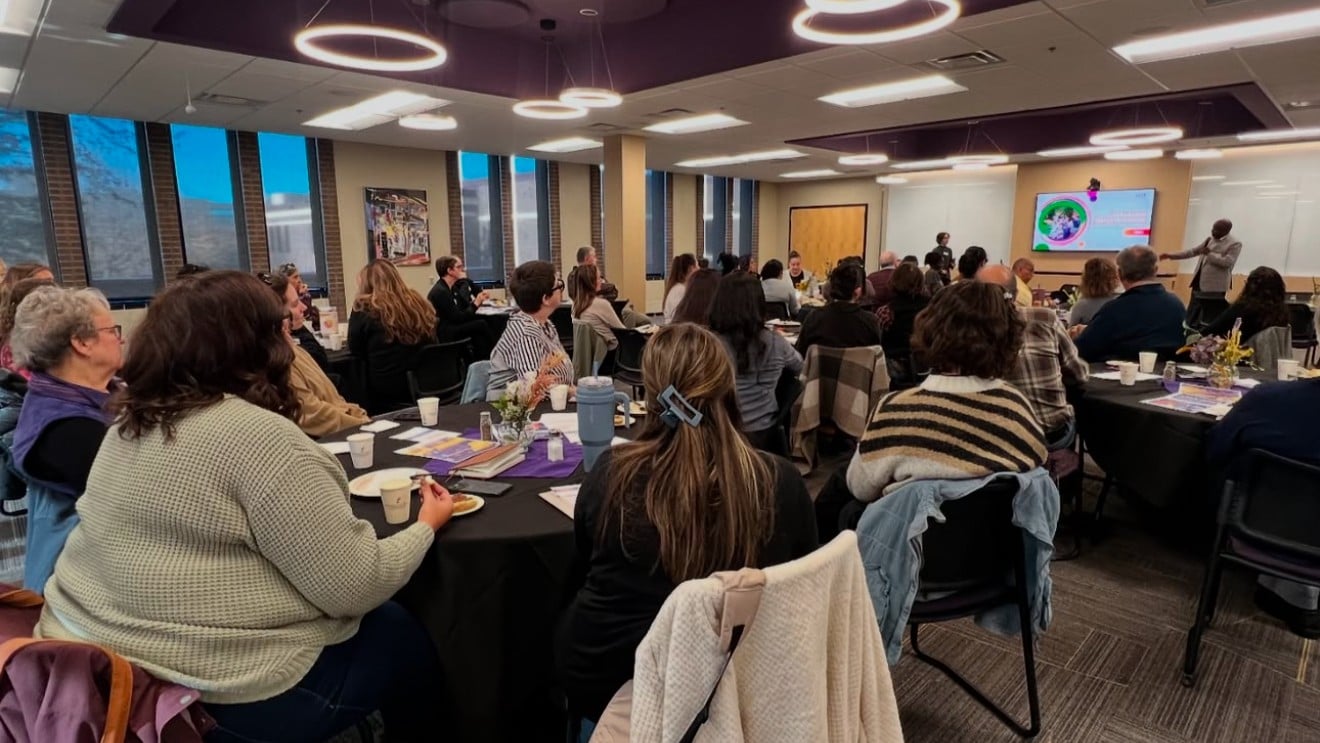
x=964 y=422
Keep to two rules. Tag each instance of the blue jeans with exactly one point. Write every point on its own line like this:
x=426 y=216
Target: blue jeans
x=390 y=665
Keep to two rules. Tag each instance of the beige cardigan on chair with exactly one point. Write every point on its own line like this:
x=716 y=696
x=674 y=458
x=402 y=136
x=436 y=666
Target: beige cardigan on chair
x=811 y=665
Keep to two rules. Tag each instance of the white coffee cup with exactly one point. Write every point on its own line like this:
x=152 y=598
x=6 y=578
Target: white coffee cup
x=1127 y=373
x=429 y=409
x=396 y=498
x=362 y=446
x=1288 y=369
x=559 y=396
x=333 y=342
x=1147 y=361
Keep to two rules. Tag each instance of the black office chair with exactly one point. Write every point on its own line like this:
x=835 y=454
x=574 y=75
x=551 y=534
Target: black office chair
x=628 y=360
x=562 y=318
x=1207 y=310
x=775 y=311
x=971 y=557
x=1302 y=319
x=619 y=306
x=439 y=370
x=1267 y=518
x=787 y=391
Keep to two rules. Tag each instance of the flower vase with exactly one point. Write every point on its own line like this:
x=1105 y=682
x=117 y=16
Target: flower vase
x=1222 y=376
x=514 y=431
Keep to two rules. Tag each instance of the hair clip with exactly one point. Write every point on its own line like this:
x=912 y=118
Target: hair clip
x=677 y=408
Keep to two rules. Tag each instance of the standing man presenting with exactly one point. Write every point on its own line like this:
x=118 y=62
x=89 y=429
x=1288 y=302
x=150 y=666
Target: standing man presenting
x=942 y=247
x=1214 y=271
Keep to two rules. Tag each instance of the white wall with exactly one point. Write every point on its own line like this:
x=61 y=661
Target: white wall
x=1276 y=231
x=974 y=207
x=358 y=166
x=574 y=211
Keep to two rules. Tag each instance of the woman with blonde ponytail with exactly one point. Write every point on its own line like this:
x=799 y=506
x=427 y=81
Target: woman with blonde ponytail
x=688 y=498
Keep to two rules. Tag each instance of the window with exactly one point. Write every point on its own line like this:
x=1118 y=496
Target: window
x=716 y=205
x=203 y=170
x=118 y=237
x=657 y=223
x=744 y=213
x=531 y=209
x=483 y=233
x=291 y=227
x=21 y=203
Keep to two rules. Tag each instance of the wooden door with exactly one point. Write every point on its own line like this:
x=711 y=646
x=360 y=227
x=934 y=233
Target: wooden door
x=824 y=235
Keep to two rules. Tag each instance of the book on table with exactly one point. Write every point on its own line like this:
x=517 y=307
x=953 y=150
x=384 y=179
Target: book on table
x=491 y=462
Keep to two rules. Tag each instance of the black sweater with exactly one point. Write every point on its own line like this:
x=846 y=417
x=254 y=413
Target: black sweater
x=621 y=593
x=839 y=325
x=388 y=362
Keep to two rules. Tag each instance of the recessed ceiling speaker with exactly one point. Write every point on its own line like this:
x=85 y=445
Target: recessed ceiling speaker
x=486 y=13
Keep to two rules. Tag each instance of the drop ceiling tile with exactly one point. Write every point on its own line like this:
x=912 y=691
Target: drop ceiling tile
x=65 y=76
x=931 y=46
x=1003 y=15
x=1199 y=72
x=1048 y=29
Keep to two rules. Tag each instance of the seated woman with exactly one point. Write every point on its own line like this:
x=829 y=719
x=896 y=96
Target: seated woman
x=1262 y=304
x=777 y=289
x=290 y=271
x=971 y=261
x=759 y=355
x=389 y=325
x=19 y=273
x=843 y=323
x=1099 y=285
x=321 y=409
x=217 y=548
x=10 y=299
x=720 y=505
x=898 y=317
x=964 y=422
x=695 y=307
x=530 y=338
x=70 y=343
x=456 y=318
x=680 y=270
x=593 y=309
x=801 y=279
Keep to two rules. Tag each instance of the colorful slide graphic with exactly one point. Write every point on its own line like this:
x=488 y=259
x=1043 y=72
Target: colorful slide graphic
x=1107 y=221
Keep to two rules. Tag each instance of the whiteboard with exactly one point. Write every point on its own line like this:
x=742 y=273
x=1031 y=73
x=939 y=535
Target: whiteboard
x=1272 y=195
x=974 y=207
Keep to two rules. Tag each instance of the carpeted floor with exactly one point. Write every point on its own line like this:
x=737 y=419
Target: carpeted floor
x=1109 y=668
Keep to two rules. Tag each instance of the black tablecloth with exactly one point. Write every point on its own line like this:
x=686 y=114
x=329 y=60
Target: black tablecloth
x=489 y=592
x=1156 y=454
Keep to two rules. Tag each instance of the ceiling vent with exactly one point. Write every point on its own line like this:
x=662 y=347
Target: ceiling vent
x=971 y=61
x=669 y=113
x=1217 y=3
x=227 y=100
x=601 y=127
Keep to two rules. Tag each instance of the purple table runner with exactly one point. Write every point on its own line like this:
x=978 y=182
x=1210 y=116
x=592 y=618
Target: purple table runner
x=536 y=465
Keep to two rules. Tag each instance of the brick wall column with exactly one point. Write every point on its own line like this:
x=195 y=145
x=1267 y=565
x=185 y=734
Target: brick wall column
x=700 y=242
x=729 y=195
x=597 y=229
x=169 y=221
x=505 y=174
x=254 y=201
x=669 y=220
x=556 y=237
x=755 y=209
x=334 y=246
x=53 y=147
x=454 y=200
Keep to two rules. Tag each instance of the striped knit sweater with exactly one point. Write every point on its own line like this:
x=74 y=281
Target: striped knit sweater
x=949 y=428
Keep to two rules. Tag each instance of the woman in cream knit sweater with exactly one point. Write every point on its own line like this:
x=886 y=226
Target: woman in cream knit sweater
x=217 y=548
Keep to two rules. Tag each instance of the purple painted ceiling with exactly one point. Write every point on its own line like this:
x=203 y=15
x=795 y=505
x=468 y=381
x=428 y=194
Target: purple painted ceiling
x=1210 y=112
x=662 y=42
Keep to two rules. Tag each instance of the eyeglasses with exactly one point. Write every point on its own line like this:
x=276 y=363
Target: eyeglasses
x=559 y=287
x=118 y=330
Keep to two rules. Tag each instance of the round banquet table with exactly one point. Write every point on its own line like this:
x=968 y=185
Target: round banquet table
x=1156 y=454
x=489 y=593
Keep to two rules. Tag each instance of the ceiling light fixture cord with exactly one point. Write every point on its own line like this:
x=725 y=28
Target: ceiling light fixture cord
x=604 y=54
x=568 y=69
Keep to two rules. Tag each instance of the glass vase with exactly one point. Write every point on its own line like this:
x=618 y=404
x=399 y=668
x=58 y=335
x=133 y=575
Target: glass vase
x=513 y=431
x=1222 y=376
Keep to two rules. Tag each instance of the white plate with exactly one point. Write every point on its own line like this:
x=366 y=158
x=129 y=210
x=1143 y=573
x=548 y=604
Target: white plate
x=368 y=485
x=481 y=503
x=638 y=409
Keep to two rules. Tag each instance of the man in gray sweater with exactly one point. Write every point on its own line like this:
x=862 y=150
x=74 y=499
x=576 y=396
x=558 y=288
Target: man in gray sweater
x=1214 y=269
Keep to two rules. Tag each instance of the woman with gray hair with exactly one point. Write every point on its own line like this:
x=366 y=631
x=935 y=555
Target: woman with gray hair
x=70 y=343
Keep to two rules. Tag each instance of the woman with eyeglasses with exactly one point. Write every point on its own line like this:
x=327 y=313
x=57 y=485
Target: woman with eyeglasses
x=390 y=324
x=530 y=338
x=70 y=343
x=290 y=271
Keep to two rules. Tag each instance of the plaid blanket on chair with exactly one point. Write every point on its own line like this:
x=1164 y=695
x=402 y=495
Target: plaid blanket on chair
x=842 y=385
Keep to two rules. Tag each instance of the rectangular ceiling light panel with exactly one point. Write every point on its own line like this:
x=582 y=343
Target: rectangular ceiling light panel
x=902 y=90
x=1224 y=37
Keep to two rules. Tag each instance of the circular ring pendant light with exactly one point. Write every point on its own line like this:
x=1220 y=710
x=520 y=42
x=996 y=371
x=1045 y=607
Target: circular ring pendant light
x=874 y=158
x=306 y=41
x=545 y=108
x=984 y=160
x=1151 y=154
x=952 y=9
x=429 y=122
x=852 y=7
x=591 y=97
x=1143 y=135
